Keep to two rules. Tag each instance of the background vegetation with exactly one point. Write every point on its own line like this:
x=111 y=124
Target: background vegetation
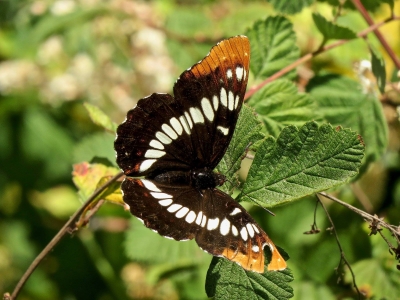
x=55 y=56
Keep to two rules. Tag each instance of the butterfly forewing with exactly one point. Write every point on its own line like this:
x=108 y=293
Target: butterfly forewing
x=152 y=138
x=219 y=225
x=164 y=133
x=212 y=91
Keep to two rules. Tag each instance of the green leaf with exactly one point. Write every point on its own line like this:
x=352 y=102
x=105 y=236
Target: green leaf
x=378 y=275
x=86 y=178
x=247 y=132
x=302 y=162
x=273 y=46
x=306 y=290
x=390 y=2
x=370 y=5
x=378 y=68
x=372 y=276
x=279 y=104
x=332 y=31
x=341 y=102
x=290 y=6
x=149 y=247
x=100 y=118
x=227 y=280
x=99 y=144
x=47 y=142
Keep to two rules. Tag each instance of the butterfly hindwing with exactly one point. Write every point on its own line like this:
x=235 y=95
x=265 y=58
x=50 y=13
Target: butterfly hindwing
x=220 y=226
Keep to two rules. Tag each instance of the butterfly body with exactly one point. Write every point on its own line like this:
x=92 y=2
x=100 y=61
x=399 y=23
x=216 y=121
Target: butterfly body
x=176 y=142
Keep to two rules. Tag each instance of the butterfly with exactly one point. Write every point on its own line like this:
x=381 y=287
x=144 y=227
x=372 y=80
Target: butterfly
x=175 y=142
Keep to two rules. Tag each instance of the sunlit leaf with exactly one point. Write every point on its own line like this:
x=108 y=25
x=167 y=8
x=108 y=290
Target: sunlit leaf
x=227 y=280
x=342 y=102
x=289 y=6
x=279 y=104
x=302 y=162
x=332 y=31
x=273 y=46
x=100 y=118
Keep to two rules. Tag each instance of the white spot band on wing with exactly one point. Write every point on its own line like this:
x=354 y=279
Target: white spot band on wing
x=154 y=153
x=212 y=224
x=150 y=186
x=191 y=216
x=182 y=212
x=165 y=202
x=163 y=138
x=146 y=164
x=168 y=130
x=207 y=109
x=225 y=227
x=196 y=114
x=156 y=144
x=176 y=125
x=160 y=195
x=185 y=124
x=224 y=130
x=174 y=207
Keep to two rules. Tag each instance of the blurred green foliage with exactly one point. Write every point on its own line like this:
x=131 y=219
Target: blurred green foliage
x=57 y=55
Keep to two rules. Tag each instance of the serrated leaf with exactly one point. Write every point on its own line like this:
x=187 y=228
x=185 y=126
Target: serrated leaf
x=149 y=247
x=302 y=162
x=247 y=132
x=370 y=5
x=86 y=177
x=100 y=118
x=273 y=46
x=332 y=31
x=279 y=104
x=227 y=280
x=341 y=102
x=378 y=69
x=290 y=6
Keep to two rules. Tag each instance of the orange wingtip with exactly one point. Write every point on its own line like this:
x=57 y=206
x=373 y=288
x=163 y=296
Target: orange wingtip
x=277 y=262
x=247 y=262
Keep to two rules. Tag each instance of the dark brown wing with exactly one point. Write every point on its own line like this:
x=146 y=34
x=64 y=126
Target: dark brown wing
x=219 y=225
x=192 y=130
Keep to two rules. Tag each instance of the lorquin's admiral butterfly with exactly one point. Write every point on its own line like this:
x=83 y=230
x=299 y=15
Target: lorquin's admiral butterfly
x=176 y=142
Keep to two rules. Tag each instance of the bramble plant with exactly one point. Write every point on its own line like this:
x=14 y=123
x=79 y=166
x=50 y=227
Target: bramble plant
x=319 y=132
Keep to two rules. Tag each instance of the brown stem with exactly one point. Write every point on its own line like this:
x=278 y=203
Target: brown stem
x=381 y=38
x=67 y=228
x=342 y=255
x=395 y=230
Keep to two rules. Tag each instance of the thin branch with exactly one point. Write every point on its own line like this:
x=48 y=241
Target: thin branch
x=342 y=255
x=314 y=227
x=380 y=37
x=311 y=55
x=395 y=230
x=67 y=228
